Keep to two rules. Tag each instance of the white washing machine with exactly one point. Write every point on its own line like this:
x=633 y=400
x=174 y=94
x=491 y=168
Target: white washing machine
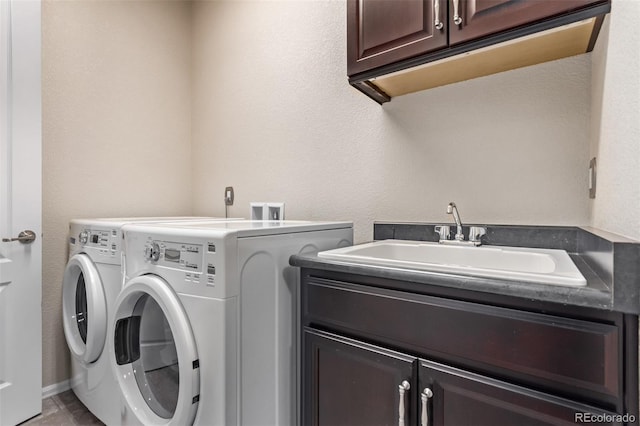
x=92 y=280
x=205 y=328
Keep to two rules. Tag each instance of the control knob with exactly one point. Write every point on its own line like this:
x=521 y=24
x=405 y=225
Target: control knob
x=83 y=237
x=152 y=252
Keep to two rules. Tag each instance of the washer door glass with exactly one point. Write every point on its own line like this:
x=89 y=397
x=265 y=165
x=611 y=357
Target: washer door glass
x=156 y=361
x=82 y=317
x=84 y=312
x=156 y=370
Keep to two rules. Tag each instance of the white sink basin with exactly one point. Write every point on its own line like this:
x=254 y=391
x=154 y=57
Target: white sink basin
x=524 y=264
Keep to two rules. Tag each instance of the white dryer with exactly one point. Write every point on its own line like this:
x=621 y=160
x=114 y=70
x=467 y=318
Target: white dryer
x=205 y=328
x=92 y=280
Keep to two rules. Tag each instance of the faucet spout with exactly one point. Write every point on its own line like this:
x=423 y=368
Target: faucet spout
x=453 y=210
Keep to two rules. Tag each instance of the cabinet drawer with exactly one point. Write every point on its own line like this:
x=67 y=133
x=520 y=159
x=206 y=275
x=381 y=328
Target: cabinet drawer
x=573 y=356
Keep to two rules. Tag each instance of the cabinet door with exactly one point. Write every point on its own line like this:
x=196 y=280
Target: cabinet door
x=484 y=17
x=460 y=398
x=380 y=32
x=350 y=383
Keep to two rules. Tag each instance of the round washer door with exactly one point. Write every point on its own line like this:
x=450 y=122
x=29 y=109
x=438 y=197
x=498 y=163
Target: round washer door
x=154 y=354
x=84 y=309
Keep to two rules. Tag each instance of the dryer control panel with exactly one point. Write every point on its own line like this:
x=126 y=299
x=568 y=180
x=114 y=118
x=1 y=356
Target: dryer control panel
x=184 y=256
x=196 y=262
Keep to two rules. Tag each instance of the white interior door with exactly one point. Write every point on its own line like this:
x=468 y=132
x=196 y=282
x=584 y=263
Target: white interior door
x=20 y=210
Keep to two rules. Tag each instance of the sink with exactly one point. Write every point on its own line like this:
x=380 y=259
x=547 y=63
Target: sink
x=546 y=266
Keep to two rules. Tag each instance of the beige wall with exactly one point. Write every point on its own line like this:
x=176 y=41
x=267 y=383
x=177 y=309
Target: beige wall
x=273 y=116
x=116 y=128
x=615 y=134
x=254 y=95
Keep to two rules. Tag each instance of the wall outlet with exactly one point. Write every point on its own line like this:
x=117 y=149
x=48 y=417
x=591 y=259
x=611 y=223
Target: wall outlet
x=228 y=196
x=266 y=211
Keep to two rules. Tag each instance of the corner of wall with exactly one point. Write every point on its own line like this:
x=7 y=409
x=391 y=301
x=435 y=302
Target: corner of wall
x=616 y=122
x=598 y=70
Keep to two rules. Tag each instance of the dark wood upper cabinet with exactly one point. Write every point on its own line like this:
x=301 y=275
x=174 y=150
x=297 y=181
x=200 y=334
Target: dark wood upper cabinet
x=385 y=31
x=477 y=37
x=481 y=18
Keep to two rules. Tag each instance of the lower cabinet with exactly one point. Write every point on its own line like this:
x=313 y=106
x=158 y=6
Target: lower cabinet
x=351 y=383
x=384 y=352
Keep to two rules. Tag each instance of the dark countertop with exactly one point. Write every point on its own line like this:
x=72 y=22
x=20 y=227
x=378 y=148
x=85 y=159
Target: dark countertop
x=599 y=293
x=595 y=295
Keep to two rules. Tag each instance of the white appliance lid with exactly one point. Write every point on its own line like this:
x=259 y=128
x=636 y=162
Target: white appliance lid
x=243 y=228
x=121 y=221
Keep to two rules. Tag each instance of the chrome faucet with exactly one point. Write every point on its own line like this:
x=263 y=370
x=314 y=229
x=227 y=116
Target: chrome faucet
x=475 y=232
x=452 y=209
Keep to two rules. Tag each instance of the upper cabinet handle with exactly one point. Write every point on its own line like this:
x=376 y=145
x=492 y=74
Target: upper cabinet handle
x=456 y=13
x=437 y=23
x=424 y=397
x=402 y=388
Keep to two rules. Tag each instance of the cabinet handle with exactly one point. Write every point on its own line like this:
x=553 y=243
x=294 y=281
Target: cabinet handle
x=457 y=19
x=424 y=397
x=436 y=12
x=402 y=388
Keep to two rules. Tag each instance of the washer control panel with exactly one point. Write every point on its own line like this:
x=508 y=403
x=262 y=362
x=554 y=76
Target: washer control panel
x=106 y=241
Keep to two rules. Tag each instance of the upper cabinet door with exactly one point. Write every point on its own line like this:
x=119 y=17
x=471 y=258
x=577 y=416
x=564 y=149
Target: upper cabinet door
x=381 y=32
x=479 y=18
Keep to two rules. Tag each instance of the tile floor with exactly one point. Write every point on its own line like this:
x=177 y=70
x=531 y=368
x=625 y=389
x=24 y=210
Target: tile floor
x=61 y=410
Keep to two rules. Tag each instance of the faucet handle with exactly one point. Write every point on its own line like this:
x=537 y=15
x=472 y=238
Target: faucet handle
x=476 y=233
x=443 y=231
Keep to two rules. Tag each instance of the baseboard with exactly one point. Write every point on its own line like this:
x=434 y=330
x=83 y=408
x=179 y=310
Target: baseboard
x=55 y=389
